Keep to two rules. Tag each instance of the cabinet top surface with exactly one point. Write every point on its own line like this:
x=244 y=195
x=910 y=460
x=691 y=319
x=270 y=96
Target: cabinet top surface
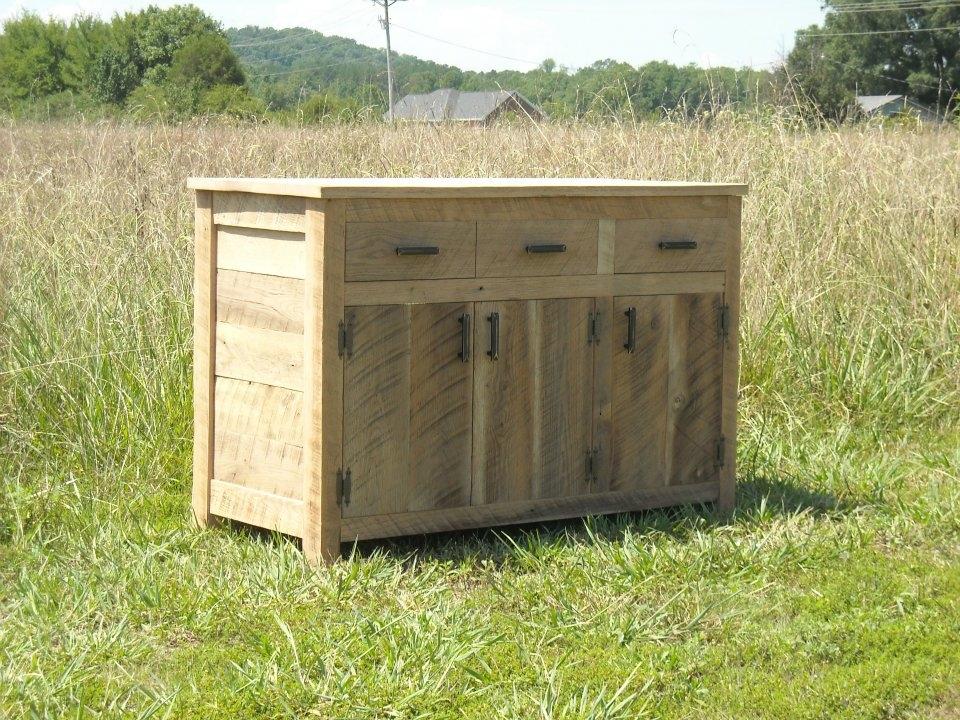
x=462 y=187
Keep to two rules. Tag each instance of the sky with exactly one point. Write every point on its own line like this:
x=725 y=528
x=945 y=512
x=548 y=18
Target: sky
x=519 y=34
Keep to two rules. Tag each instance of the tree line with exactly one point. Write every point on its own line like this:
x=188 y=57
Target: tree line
x=179 y=62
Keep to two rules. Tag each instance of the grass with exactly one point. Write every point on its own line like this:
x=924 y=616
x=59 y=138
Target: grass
x=834 y=591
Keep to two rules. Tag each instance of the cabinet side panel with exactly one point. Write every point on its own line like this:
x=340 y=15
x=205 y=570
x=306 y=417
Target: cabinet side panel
x=258 y=439
x=204 y=350
x=323 y=369
x=731 y=358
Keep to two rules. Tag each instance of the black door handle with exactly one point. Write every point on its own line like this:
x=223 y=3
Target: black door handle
x=536 y=249
x=631 y=344
x=464 y=354
x=418 y=250
x=494 y=351
x=677 y=245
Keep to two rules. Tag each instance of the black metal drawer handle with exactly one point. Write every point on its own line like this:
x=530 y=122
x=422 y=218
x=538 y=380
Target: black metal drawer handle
x=418 y=250
x=494 y=351
x=537 y=249
x=631 y=344
x=464 y=353
x=677 y=245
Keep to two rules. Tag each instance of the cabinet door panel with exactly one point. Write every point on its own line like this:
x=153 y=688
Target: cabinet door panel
x=694 y=381
x=640 y=394
x=666 y=392
x=407 y=409
x=532 y=405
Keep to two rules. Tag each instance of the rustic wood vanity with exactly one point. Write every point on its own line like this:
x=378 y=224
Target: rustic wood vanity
x=382 y=357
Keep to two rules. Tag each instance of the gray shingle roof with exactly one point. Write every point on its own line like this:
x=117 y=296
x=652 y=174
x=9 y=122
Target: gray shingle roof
x=448 y=104
x=869 y=103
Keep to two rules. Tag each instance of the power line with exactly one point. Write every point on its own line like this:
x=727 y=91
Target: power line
x=276 y=40
x=309 y=69
x=464 y=47
x=878 y=32
x=888 y=5
x=879 y=75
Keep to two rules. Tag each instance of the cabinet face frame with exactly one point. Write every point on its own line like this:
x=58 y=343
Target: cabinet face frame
x=318 y=286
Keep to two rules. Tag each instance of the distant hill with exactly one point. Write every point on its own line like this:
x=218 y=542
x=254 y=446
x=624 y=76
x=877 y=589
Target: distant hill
x=287 y=67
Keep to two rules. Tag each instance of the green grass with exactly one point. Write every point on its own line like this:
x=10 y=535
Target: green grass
x=833 y=592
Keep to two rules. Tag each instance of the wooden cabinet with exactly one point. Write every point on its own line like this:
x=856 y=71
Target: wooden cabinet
x=379 y=358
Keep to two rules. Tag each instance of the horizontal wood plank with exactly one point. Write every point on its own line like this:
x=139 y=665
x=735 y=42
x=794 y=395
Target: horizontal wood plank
x=462 y=187
x=255 y=507
x=265 y=252
x=543 y=208
x=267 y=302
x=250 y=210
x=467 y=290
x=526 y=511
x=371 y=252
x=637 y=245
x=501 y=248
x=263 y=356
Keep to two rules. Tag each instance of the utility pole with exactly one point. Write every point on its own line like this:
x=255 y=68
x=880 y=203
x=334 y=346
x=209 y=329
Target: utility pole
x=385 y=22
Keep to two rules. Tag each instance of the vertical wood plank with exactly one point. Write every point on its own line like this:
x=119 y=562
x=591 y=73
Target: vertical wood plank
x=731 y=358
x=640 y=402
x=605 y=251
x=323 y=371
x=204 y=352
x=611 y=332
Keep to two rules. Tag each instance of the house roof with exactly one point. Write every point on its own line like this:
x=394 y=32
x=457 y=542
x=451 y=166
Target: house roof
x=449 y=104
x=869 y=103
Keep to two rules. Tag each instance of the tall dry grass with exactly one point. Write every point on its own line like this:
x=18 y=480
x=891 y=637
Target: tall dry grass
x=851 y=266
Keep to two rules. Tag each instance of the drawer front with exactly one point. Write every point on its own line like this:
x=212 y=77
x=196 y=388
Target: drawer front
x=536 y=247
x=669 y=245
x=410 y=250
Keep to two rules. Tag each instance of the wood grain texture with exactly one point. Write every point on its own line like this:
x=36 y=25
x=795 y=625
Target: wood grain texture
x=268 y=212
x=604 y=393
x=407 y=409
x=502 y=209
x=607 y=229
x=325 y=230
x=372 y=250
x=267 y=302
x=731 y=359
x=488 y=289
x=639 y=414
x=501 y=248
x=638 y=251
x=253 y=507
x=523 y=511
x=533 y=406
x=204 y=354
x=259 y=437
x=434 y=188
x=263 y=356
x=694 y=388
x=265 y=252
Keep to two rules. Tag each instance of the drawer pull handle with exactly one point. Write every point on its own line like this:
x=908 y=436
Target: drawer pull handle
x=631 y=344
x=418 y=250
x=464 y=353
x=537 y=249
x=678 y=245
x=494 y=351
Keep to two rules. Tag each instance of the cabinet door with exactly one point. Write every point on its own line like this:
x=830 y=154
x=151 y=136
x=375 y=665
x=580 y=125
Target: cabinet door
x=407 y=408
x=666 y=391
x=533 y=401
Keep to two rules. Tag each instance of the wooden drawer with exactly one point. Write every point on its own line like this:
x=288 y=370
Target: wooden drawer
x=410 y=250
x=669 y=245
x=536 y=247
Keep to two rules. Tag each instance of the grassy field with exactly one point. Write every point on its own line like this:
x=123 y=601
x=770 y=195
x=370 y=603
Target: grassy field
x=834 y=591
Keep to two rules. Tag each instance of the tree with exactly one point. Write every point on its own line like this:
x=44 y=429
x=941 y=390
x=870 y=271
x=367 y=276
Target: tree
x=31 y=57
x=206 y=60
x=878 y=51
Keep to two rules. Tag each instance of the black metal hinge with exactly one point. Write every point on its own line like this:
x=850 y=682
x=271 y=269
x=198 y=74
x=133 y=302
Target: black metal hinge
x=721 y=451
x=723 y=321
x=344 y=486
x=345 y=338
x=593 y=328
x=592 y=461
